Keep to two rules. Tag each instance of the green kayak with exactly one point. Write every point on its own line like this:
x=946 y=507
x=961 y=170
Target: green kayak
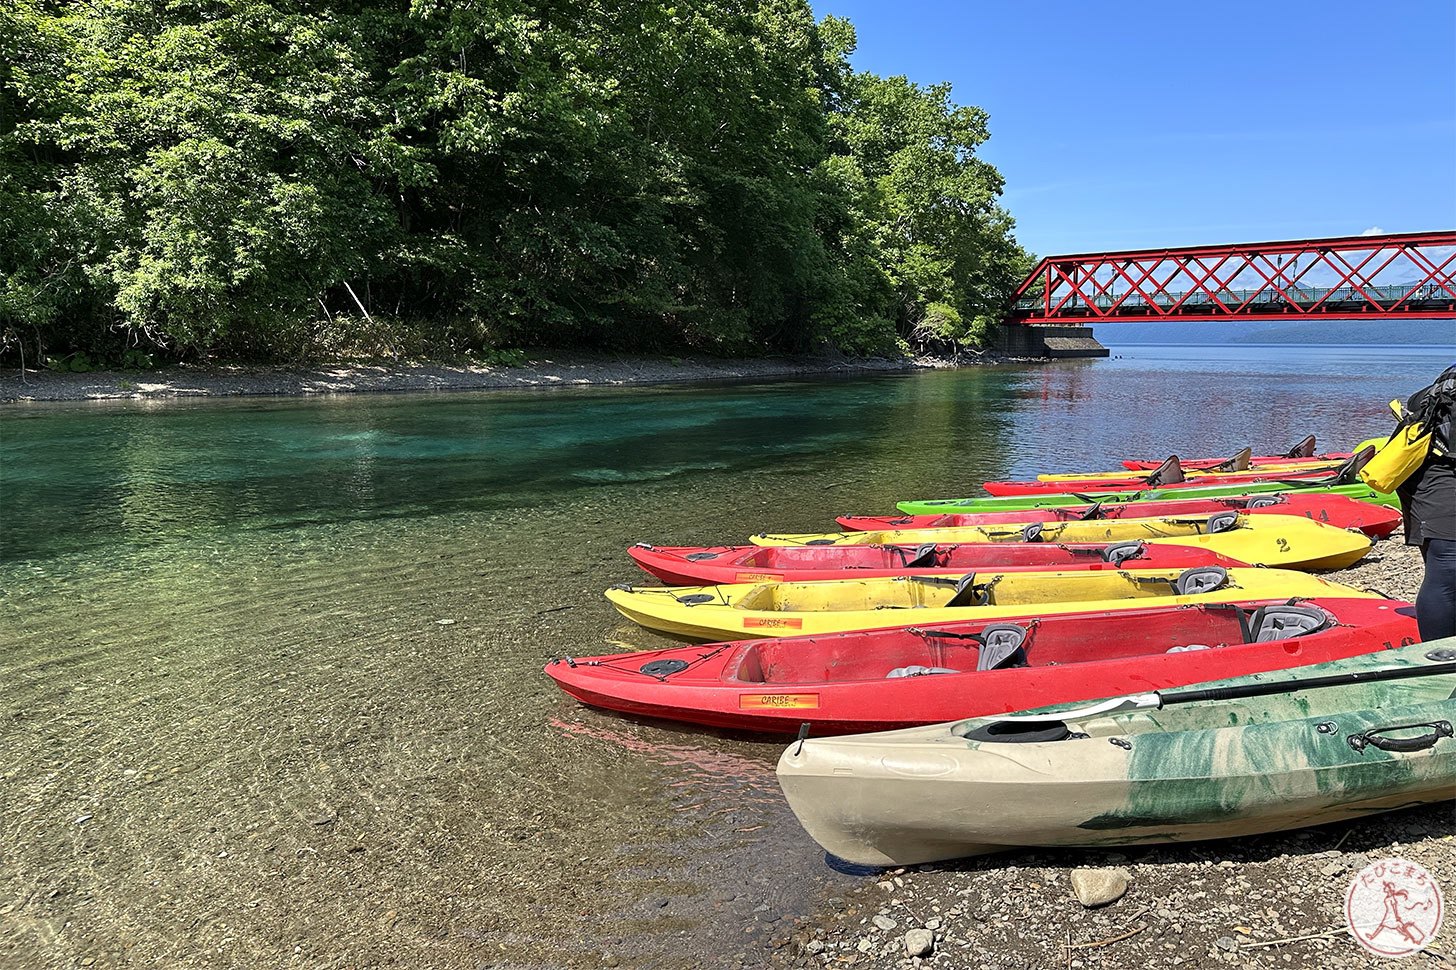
x=1009 y=503
x=1229 y=759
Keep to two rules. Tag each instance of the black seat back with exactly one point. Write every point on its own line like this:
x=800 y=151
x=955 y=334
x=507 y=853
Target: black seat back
x=1349 y=472
x=922 y=557
x=1120 y=552
x=1239 y=462
x=1285 y=621
x=1168 y=473
x=970 y=593
x=1222 y=521
x=1200 y=579
x=1002 y=646
x=1304 y=449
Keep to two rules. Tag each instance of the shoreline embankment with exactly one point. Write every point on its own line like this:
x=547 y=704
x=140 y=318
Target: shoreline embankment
x=541 y=371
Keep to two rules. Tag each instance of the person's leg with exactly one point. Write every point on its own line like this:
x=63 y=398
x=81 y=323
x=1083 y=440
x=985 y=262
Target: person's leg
x=1436 y=602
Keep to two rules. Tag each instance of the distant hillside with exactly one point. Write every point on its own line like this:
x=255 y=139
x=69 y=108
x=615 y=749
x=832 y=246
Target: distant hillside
x=1400 y=334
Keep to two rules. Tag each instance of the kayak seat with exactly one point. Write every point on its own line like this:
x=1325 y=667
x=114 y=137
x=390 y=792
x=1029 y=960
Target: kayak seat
x=1002 y=647
x=1238 y=463
x=1032 y=532
x=1283 y=622
x=1264 y=501
x=1169 y=472
x=1200 y=579
x=1349 y=472
x=924 y=557
x=970 y=593
x=1120 y=552
x=917 y=670
x=1304 y=449
x=1222 y=522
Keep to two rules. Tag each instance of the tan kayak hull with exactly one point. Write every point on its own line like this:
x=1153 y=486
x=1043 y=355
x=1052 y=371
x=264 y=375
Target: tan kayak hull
x=1210 y=769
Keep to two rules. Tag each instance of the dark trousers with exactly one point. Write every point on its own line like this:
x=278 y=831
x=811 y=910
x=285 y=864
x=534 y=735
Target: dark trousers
x=1436 y=602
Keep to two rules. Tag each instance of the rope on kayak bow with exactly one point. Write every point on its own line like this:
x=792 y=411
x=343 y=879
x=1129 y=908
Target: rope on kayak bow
x=659 y=670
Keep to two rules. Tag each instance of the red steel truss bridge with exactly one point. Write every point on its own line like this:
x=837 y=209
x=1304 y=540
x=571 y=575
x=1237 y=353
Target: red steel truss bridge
x=1371 y=277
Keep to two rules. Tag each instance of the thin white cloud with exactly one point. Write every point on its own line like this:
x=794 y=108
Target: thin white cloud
x=1373 y=231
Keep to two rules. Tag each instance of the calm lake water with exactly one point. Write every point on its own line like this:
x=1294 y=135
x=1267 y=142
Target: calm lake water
x=270 y=687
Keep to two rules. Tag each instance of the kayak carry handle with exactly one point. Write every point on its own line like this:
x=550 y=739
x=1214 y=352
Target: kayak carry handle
x=803 y=736
x=1373 y=738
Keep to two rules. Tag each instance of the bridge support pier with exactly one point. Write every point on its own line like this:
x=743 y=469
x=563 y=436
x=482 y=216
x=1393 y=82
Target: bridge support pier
x=1049 y=340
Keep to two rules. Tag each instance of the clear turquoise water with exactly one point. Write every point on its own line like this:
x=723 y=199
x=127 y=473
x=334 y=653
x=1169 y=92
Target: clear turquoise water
x=283 y=656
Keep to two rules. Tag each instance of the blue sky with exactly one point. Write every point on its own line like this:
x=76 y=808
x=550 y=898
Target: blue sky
x=1129 y=124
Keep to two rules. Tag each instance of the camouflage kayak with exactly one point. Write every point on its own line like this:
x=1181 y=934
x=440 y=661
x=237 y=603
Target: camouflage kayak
x=1205 y=769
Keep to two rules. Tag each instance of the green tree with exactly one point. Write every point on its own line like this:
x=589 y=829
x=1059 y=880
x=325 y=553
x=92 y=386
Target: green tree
x=926 y=205
x=263 y=178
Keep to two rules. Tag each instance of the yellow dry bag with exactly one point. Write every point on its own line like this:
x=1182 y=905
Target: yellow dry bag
x=1399 y=457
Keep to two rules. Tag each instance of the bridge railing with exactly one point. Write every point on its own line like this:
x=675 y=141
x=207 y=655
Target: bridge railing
x=1389 y=275
x=1300 y=297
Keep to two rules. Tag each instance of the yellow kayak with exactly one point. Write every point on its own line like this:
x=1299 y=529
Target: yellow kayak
x=1288 y=541
x=740 y=610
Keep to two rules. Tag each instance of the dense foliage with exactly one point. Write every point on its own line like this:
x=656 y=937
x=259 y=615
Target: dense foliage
x=272 y=179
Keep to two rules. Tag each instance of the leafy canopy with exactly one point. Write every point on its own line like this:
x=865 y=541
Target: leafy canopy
x=274 y=180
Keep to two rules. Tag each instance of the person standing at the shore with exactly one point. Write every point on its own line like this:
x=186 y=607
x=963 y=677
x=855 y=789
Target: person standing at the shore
x=1428 y=501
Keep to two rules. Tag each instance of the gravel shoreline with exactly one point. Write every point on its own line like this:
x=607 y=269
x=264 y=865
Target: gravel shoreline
x=1273 y=900
x=541 y=371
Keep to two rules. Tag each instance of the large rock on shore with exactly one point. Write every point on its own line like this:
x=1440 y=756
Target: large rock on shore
x=919 y=943
x=1098 y=887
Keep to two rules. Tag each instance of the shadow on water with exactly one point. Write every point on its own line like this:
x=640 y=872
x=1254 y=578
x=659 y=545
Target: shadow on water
x=272 y=669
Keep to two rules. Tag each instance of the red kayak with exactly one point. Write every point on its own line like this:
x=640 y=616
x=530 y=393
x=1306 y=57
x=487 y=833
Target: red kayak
x=1339 y=511
x=1304 y=451
x=714 y=565
x=879 y=680
x=1233 y=464
x=1170 y=476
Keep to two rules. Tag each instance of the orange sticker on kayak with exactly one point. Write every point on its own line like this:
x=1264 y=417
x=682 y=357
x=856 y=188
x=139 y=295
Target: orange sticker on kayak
x=762 y=702
x=755 y=577
x=774 y=622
